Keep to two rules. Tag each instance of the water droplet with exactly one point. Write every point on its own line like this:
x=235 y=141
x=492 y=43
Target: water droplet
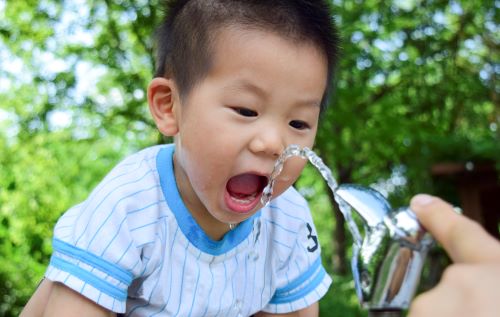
x=253 y=256
x=469 y=166
x=365 y=280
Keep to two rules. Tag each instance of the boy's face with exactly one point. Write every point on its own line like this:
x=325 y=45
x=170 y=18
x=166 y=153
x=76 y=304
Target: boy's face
x=262 y=94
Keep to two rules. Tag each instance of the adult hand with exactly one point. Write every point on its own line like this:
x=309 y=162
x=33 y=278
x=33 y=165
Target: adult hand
x=470 y=286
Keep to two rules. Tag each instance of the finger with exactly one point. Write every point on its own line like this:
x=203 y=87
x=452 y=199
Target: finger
x=440 y=301
x=463 y=239
x=464 y=290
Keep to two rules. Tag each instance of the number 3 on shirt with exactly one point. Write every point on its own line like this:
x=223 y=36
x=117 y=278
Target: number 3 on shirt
x=313 y=238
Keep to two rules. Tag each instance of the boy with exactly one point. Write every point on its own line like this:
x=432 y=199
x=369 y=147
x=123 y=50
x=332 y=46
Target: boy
x=179 y=230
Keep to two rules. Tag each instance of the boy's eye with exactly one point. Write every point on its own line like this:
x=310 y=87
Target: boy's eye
x=299 y=125
x=245 y=112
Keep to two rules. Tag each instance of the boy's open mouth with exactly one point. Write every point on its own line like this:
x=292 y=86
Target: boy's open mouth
x=243 y=192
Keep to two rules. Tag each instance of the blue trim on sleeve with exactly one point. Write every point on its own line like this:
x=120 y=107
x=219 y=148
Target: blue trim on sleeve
x=287 y=293
x=109 y=268
x=89 y=278
x=301 y=279
x=188 y=225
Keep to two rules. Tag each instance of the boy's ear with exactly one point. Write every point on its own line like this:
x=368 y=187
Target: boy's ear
x=163 y=103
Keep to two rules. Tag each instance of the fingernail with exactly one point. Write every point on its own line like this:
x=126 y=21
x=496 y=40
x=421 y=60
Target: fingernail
x=458 y=210
x=422 y=199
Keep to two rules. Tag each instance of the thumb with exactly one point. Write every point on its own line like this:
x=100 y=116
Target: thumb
x=464 y=240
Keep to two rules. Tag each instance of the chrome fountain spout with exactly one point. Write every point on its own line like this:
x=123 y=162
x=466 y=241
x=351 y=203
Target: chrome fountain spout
x=389 y=261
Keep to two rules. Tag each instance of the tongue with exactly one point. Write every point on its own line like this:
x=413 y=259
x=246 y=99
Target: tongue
x=245 y=184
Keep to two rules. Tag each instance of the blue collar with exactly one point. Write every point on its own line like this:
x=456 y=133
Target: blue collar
x=187 y=224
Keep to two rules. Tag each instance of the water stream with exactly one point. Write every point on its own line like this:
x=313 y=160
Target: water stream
x=306 y=153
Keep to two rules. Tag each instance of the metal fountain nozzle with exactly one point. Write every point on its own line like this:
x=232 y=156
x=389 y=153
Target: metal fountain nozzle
x=388 y=265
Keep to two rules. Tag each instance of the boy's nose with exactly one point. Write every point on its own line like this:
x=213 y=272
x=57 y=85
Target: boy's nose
x=269 y=142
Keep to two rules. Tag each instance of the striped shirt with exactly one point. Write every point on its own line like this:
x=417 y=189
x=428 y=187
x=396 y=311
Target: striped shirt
x=134 y=248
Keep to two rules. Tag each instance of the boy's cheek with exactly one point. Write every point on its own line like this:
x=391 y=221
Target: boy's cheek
x=292 y=169
x=291 y=172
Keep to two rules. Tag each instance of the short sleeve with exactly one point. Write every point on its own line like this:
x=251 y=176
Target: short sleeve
x=99 y=245
x=302 y=280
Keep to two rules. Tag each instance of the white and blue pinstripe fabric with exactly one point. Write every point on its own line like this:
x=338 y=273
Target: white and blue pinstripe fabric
x=133 y=248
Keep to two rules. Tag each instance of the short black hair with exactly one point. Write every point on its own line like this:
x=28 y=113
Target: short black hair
x=185 y=38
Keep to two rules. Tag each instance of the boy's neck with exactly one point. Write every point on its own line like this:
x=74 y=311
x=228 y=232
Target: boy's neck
x=211 y=226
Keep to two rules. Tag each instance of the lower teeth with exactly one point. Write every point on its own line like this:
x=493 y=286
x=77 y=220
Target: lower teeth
x=246 y=200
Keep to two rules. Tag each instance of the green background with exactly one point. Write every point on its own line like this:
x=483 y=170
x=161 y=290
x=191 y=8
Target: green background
x=417 y=85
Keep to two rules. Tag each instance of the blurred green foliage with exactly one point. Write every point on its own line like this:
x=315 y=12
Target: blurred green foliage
x=418 y=84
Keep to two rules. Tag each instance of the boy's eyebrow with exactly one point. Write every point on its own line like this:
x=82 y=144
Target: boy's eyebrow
x=310 y=102
x=243 y=84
